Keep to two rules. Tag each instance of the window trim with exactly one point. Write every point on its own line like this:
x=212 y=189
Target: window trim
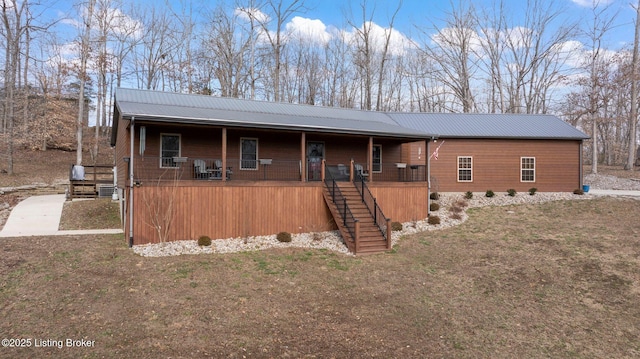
x=373 y=162
x=179 y=149
x=242 y=159
x=522 y=169
x=466 y=169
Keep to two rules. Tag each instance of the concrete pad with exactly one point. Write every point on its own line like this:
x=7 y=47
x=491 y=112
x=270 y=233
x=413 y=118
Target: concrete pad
x=40 y=216
x=35 y=216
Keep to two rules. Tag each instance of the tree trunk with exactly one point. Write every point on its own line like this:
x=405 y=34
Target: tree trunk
x=633 y=120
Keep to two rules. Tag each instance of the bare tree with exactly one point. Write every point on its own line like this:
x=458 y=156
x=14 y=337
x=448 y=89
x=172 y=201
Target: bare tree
x=15 y=21
x=633 y=117
x=452 y=50
x=82 y=75
x=280 y=12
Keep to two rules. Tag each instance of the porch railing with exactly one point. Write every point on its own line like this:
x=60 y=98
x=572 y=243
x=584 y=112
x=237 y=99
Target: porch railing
x=154 y=168
x=379 y=219
x=340 y=201
x=392 y=172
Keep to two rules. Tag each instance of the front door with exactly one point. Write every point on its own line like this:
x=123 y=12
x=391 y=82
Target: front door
x=315 y=155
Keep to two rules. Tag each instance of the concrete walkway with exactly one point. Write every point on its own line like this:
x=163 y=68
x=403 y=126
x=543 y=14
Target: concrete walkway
x=40 y=216
x=613 y=192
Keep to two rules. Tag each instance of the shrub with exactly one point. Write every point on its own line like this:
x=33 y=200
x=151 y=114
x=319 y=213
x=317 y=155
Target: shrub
x=433 y=220
x=456 y=216
x=511 y=192
x=284 y=237
x=532 y=191
x=468 y=195
x=489 y=193
x=434 y=196
x=434 y=206
x=204 y=241
x=461 y=203
x=578 y=191
x=455 y=209
x=396 y=226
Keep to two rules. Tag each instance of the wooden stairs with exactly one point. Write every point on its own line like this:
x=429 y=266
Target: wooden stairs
x=369 y=239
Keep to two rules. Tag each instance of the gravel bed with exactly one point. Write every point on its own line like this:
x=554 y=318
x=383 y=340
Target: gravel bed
x=333 y=241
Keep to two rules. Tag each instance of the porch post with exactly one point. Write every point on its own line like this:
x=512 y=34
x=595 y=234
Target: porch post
x=323 y=169
x=370 y=158
x=303 y=162
x=131 y=179
x=223 y=170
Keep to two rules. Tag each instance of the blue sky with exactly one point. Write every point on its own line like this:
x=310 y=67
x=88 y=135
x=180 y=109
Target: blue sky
x=416 y=16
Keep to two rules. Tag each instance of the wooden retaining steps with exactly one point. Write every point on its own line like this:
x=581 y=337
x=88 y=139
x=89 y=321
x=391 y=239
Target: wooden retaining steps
x=370 y=239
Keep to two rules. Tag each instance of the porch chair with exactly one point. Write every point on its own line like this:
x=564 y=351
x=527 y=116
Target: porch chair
x=342 y=171
x=360 y=171
x=200 y=169
x=217 y=166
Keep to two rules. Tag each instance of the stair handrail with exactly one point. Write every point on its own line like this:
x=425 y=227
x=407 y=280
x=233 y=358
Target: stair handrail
x=340 y=201
x=372 y=204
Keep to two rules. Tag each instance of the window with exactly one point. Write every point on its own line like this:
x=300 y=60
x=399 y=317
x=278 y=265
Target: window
x=465 y=168
x=527 y=169
x=169 y=148
x=248 y=153
x=377 y=158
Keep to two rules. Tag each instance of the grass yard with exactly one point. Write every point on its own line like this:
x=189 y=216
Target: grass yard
x=559 y=280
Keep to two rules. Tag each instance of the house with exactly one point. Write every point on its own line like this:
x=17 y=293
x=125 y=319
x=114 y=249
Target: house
x=480 y=152
x=193 y=165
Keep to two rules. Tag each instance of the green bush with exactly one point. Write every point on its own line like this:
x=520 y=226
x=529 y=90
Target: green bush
x=204 y=241
x=434 y=206
x=578 y=191
x=489 y=193
x=433 y=220
x=284 y=237
x=511 y=192
x=434 y=196
x=396 y=226
x=532 y=191
x=468 y=195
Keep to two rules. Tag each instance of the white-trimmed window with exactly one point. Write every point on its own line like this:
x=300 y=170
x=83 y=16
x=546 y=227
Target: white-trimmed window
x=377 y=158
x=465 y=169
x=169 y=148
x=527 y=169
x=248 y=153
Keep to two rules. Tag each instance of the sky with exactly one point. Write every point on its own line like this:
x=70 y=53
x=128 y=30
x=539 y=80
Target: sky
x=415 y=17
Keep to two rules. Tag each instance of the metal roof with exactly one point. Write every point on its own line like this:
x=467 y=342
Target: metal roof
x=511 y=126
x=200 y=109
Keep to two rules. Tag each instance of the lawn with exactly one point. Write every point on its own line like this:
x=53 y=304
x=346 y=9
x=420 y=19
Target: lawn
x=557 y=280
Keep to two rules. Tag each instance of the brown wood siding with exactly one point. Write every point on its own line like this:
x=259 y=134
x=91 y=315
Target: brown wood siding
x=402 y=202
x=496 y=165
x=226 y=211
x=260 y=208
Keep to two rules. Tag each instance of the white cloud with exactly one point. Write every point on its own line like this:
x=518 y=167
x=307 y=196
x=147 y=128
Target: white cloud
x=248 y=13
x=398 y=43
x=311 y=30
x=591 y=3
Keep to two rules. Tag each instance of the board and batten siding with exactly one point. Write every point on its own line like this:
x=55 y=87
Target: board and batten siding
x=260 y=208
x=229 y=211
x=496 y=165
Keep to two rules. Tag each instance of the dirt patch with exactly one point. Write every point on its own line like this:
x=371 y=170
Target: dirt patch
x=558 y=280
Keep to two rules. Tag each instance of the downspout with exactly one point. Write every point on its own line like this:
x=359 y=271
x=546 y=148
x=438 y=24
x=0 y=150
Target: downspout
x=133 y=132
x=580 y=183
x=428 y=174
